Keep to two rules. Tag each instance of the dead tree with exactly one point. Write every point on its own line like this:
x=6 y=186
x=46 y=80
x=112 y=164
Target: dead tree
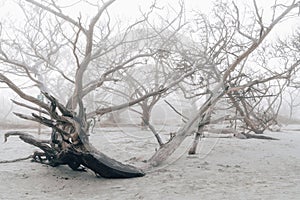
x=88 y=48
x=69 y=143
x=290 y=48
x=225 y=82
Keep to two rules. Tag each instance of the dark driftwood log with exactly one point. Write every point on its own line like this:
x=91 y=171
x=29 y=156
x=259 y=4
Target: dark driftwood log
x=109 y=168
x=69 y=143
x=91 y=158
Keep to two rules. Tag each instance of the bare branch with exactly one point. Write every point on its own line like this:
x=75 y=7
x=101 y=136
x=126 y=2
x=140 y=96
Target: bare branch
x=75 y=44
x=16 y=89
x=158 y=138
x=58 y=14
x=258 y=42
x=16 y=160
x=30 y=107
x=173 y=108
x=103 y=111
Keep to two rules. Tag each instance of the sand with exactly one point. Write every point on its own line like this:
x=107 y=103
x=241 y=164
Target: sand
x=223 y=168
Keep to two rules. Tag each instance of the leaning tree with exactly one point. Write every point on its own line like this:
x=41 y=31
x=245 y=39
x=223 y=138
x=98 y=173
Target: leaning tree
x=234 y=43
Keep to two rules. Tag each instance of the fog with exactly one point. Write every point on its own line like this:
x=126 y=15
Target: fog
x=195 y=99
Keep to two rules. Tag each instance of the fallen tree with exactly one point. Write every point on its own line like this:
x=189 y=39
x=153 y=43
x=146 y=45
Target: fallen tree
x=243 y=135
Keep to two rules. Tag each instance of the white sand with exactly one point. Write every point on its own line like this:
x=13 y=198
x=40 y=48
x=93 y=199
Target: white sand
x=226 y=168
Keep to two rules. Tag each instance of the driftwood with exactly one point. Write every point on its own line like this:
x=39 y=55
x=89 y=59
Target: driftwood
x=16 y=160
x=69 y=144
x=243 y=135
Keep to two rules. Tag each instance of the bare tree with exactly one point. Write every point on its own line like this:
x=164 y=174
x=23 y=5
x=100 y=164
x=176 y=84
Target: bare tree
x=228 y=45
x=230 y=69
x=288 y=50
x=92 y=46
x=292 y=100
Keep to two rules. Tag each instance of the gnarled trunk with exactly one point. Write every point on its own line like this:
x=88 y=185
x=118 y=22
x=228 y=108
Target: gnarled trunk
x=69 y=144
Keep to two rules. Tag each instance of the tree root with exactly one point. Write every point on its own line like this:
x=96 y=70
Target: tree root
x=78 y=156
x=69 y=143
x=16 y=160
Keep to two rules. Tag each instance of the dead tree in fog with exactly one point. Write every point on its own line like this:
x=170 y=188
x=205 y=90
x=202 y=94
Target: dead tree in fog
x=227 y=74
x=256 y=105
x=92 y=47
x=292 y=100
x=99 y=52
x=290 y=48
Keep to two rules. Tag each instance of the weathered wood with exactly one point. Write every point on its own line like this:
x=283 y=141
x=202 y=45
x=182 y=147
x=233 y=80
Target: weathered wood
x=166 y=150
x=243 y=135
x=194 y=146
x=15 y=160
x=109 y=168
x=88 y=157
x=69 y=144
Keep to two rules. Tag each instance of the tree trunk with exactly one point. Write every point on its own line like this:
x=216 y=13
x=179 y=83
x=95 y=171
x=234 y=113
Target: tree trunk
x=167 y=149
x=246 y=118
x=206 y=119
x=194 y=146
x=146 y=116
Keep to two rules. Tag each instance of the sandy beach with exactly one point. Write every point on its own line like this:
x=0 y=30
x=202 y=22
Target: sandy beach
x=223 y=168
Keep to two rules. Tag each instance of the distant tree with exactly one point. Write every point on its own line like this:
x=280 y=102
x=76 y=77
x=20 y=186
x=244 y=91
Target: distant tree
x=289 y=51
